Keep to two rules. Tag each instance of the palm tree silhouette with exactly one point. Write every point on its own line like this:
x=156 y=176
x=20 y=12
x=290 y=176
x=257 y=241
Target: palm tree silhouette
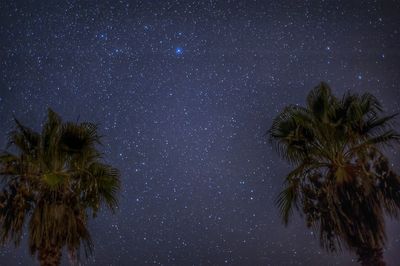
x=342 y=181
x=53 y=181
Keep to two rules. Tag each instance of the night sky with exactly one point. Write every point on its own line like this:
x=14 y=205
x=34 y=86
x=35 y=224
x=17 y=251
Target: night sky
x=184 y=93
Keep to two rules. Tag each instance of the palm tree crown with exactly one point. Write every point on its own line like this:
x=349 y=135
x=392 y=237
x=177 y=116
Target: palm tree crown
x=52 y=182
x=342 y=181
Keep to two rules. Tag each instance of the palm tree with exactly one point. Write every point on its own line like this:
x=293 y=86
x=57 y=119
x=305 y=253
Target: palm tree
x=52 y=182
x=342 y=181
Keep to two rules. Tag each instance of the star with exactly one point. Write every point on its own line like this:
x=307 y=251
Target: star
x=178 y=50
x=183 y=94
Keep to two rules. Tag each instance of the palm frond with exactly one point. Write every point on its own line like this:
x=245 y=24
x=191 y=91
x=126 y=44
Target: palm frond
x=370 y=104
x=377 y=124
x=25 y=139
x=289 y=132
x=318 y=101
x=286 y=199
x=384 y=139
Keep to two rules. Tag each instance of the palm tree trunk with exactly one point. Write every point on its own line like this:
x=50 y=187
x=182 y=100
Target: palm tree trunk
x=371 y=256
x=49 y=256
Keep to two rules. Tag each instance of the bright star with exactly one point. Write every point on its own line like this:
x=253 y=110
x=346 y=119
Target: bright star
x=178 y=50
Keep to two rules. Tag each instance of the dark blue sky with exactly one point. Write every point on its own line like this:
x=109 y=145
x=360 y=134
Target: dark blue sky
x=184 y=92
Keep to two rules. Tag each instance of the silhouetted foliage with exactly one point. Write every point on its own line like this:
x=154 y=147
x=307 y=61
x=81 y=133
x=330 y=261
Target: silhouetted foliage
x=341 y=181
x=52 y=184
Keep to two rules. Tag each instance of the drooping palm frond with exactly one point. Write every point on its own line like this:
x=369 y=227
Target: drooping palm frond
x=15 y=204
x=286 y=200
x=59 y=224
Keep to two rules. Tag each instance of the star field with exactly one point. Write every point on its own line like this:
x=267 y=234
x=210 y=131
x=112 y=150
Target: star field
x=184 y=92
